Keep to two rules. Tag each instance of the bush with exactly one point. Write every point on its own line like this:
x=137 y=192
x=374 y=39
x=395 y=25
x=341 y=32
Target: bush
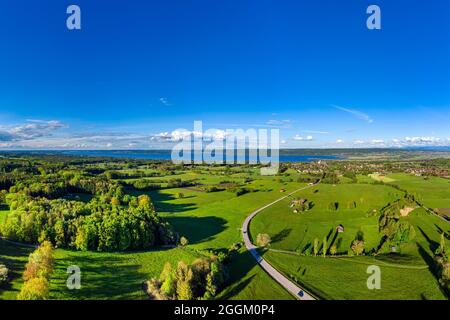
x=357 y=247
x=184 y=241
x=3 y=274
x=34 y=289
x=241 y=191
x=333 y=250
x=263 y=239
x=333 y=206
x=180 y=195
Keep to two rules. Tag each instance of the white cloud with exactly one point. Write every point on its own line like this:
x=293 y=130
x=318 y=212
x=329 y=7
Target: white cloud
x=30 y=130
x=300 y=138
x=279 y=123
x=356 y=113
x=339 y=141
x=316 y=132
x=178 y=135
x=358 y=142
x=165 y=101
x=422 y=140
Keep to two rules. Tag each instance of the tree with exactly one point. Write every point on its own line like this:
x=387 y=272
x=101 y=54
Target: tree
x=168 y=279
x=37 y=273
x=263 y=239
x=144 y=200
x=115 y=201
x=316 y=247
x=333 y=250
x=333 y=206
x=357 y=247
x=442 y=250
x=324 y=247
x=184 y=277
x=34 y=289
x=40 y=262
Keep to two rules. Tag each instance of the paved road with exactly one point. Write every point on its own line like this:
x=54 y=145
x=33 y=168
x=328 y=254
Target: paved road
x=293 y=288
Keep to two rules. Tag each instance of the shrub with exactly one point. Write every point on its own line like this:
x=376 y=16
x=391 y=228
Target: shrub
x=333 y=250
x=180 y=195
x=241 y=191
x=357 y=247
x=34 y=289
x=263 y=239
x=184 y=241
x=3 y=274
x=333 y=206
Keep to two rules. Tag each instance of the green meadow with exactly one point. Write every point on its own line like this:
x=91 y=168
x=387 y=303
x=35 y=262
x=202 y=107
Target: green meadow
x=433 y=192
x=296 y=231
x=211 y=221
x=409 y=274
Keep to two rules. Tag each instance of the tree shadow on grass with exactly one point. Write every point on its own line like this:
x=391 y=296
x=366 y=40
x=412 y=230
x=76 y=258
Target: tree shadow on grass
x=14 y=257
x=105 y=276
x=440 y=230
x=433 y=245
x=161 y=202
x=280 y=236
x=238 y=269
x=197 y=229
x=433 y=267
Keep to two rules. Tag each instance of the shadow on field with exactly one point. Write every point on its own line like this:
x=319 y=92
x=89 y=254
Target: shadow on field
x=160 y=201
x=197 y=229
x=102 y=277
x=238 y=269
x=280 y=236
x=439 y=230
x=14 y=257
x=433 y=267
x=433 y=245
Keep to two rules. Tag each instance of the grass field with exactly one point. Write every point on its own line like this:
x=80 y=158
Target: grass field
x=212 y=221
x=14 y=257
x=208 y=220
x=408 y=275
x=295 y=231
x=433 y=192
x=345 y=278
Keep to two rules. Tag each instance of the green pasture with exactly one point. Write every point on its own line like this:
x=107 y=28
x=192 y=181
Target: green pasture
x=296 y=231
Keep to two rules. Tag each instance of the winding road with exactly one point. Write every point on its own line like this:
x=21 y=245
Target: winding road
x=293 y=288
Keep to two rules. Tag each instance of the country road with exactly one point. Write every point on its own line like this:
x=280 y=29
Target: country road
x=293 y=288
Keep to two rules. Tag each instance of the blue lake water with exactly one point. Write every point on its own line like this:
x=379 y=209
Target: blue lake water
x=166 y=155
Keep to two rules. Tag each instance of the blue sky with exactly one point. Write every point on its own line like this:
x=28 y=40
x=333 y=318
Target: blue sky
x=138 y=70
